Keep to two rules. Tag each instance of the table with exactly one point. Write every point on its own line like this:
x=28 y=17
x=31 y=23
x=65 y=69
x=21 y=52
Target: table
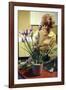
x=44 y=74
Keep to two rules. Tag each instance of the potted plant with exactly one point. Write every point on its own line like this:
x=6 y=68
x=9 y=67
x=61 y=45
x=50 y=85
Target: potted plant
x=35 y=55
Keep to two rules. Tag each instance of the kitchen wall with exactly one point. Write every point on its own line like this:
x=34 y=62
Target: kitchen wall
x=23 y=20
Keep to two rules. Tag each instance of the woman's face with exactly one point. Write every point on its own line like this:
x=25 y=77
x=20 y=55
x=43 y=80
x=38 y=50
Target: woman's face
x=48 y=20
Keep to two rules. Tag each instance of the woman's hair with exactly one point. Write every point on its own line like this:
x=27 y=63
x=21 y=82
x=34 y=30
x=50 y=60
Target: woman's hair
x=44 y=20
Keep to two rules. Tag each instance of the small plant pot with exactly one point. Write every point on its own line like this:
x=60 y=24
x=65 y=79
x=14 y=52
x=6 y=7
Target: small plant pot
x=37 y=69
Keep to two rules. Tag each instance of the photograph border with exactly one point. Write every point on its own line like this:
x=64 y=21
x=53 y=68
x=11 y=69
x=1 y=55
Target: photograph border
x=11 y=43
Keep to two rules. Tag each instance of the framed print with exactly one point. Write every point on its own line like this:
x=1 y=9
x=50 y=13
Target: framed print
x=36 y=44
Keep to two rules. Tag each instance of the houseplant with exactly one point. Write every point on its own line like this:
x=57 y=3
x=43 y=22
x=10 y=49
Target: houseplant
x=35 y=57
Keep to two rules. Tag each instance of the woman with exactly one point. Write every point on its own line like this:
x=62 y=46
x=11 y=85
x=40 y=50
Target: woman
x=45 y=39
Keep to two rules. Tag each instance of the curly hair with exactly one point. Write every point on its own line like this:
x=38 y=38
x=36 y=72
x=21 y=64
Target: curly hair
x=45 y=19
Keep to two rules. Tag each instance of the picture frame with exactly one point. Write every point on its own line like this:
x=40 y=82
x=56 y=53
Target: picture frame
x=14 y=7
